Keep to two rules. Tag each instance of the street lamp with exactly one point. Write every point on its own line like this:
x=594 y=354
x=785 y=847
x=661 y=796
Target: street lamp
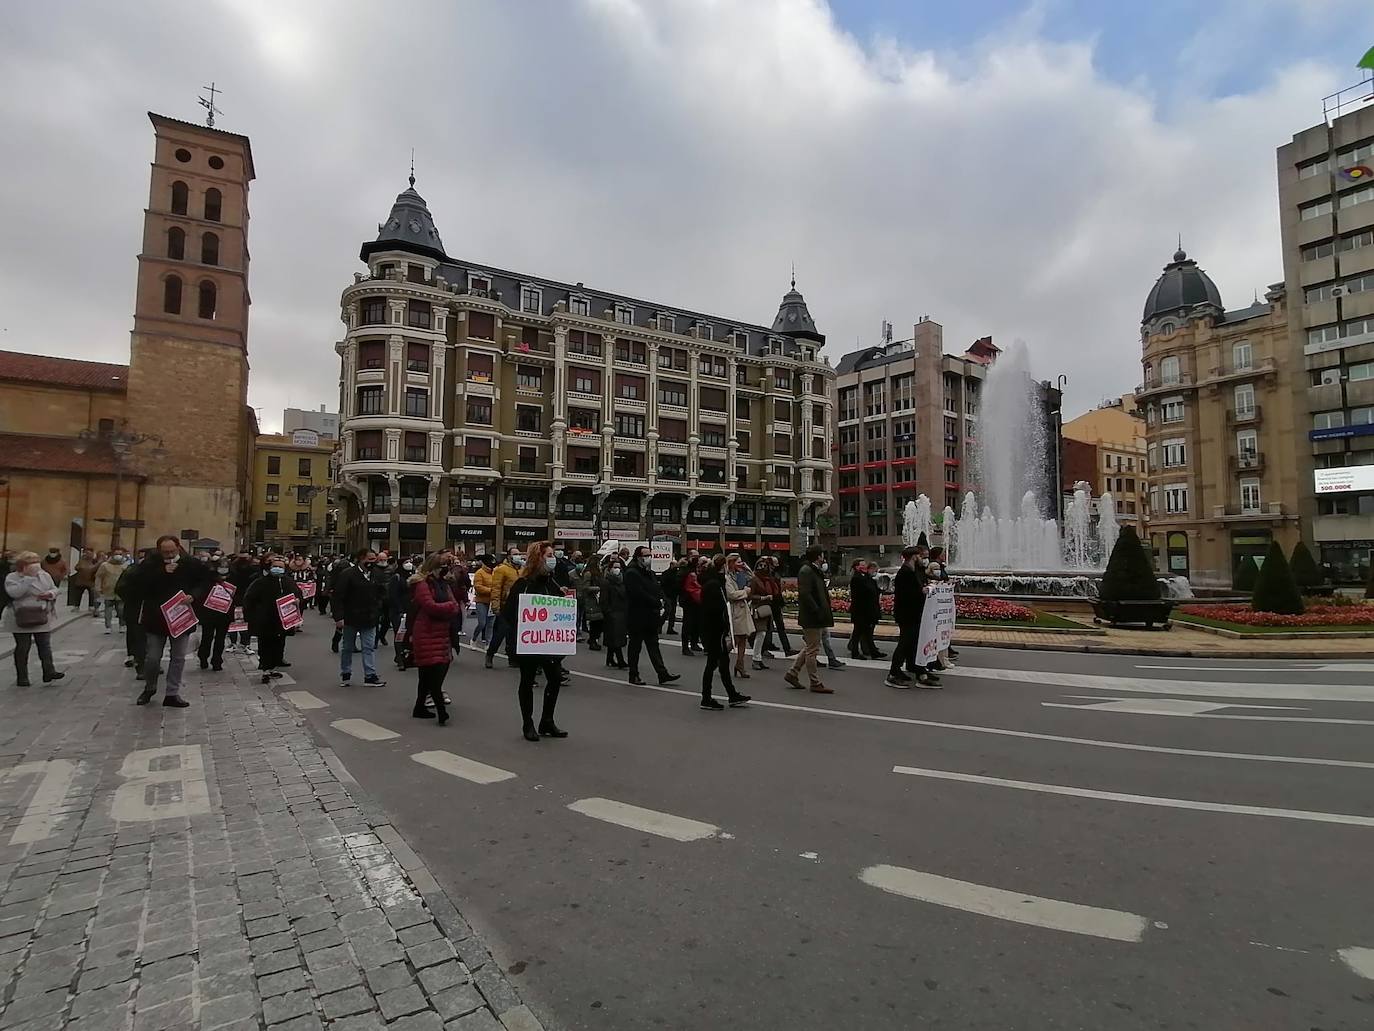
x=122 y=443
x=5 y=541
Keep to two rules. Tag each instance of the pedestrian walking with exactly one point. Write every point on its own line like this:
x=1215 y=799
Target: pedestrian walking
x=356 y=607
x=262 y=610
x=81 y=584
x=336 y=570
x=503 y=578
x=614 y=612
x=481 y=595
x=429 y=622
x=865 y=609
x=690 y=596
x=106 y=580
x=644 y=601
x=938 y=571
x=762 y=589
x=716 y=619
x=398 y=603
x=55 y=566
x=6 y=568
x=832 y=660
x=589 y=602
x=383 y=572
x=735 y=581
x=135 y=639
x=813 y=615
x=536 y=577
x=776 y=624
x=671 y=582
x=31 y=616
x=242 y=572
x=909 y=591
x=214 y=625
x=164 y=575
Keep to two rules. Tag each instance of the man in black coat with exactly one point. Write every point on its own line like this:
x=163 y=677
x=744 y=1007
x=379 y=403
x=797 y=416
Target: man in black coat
x=865 y=608
x=159 y=578
x=357 y=607
x=644 y=599
x=909 y=589
x=671 y=582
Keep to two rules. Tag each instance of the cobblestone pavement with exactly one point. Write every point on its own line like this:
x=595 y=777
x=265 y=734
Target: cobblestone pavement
x=210 y=867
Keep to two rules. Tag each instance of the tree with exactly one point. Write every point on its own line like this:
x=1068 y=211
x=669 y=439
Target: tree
x=1247 y=572
x=1276 y=590
x=1305 y=569
x=1129 y=576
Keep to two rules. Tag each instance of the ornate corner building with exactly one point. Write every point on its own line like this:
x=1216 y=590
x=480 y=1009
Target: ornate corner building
x=485 y=408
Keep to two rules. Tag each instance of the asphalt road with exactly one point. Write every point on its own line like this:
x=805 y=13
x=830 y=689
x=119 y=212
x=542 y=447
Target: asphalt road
x=1208 y=864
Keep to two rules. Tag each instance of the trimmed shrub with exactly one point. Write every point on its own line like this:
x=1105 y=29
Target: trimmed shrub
x=1246 y=575
x=1129 y=576
x=1305 y=569
x=1369 y=587
x=921 y=541
x=1276 y=590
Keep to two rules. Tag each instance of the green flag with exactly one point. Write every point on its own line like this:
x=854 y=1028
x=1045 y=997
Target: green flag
x=1368 y=60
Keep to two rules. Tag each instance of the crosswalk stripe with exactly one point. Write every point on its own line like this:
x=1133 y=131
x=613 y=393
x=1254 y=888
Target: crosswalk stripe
x=1198 y=688
x=1014 y=906
x=1115 y=796
x=364 y=730
x=304 y=700
x=461 y=766
x=665 y=825
x=1358 y=959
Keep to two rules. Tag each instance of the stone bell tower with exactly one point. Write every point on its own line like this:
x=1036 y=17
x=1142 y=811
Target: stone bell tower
x=188 y=368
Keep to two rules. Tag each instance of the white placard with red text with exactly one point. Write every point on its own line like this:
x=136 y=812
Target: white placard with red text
x=220 y=598
x=289 y=609
x=179 y=613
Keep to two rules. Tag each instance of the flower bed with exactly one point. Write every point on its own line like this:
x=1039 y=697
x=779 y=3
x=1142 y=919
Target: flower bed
x=965 y=606
x=1323 y=615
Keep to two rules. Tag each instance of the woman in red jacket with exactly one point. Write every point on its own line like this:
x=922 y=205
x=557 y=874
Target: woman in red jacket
x=435 y=607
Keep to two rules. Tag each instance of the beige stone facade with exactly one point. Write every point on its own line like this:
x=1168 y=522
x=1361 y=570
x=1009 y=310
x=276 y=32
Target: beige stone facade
x=1117 y=430
x=486 y=408
x=1326 y=212
x=1219 y=426
x=291 y=507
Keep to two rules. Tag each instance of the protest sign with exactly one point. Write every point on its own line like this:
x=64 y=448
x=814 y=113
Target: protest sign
x=307 y=589
x=289 y=610
x=179 y=614
x=239 y=625
x=937 y=623
x=547 y=625
x=660 y=555
x=220 y=598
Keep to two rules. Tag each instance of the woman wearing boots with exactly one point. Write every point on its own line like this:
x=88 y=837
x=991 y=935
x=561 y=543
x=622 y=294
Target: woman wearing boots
x=536 y=577
x=31 y=615
x=736 y=581
x=434 y=607
x=589 y=599
x=615 y=613
x=713 y=621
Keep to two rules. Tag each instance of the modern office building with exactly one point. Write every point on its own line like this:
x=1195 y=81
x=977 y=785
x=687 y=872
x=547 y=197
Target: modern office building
x=324 y=422
x=1326 y=211
x=1116 y=430
x=1219 y=425
x=487 y=408
x=907 y=424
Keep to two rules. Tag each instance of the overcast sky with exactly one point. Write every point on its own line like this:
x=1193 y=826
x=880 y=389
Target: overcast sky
x=1013 y=169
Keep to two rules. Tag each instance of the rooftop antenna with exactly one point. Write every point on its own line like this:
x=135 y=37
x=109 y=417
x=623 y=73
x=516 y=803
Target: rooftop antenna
x=794 y=275
x=209 y=104
x=412 y=166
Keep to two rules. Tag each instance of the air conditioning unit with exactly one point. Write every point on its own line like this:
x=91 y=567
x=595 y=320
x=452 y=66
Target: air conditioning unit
x=1330 y=377
x=1337 y=291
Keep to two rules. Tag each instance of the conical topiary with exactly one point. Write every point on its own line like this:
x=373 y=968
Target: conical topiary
x=921 y=541
x=1128 y=576
x=1247 y=572
x=1276 y=590
x=1305 y=569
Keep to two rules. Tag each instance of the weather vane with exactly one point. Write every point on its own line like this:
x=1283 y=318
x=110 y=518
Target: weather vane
x=209 y=104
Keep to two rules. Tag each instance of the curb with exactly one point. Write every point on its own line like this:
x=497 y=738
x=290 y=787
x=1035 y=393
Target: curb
x=65 y=620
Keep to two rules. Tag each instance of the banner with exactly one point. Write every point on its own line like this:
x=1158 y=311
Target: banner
x=220 y=598
x=239 y=625
x=307 y=589
x=547 y=625
x=179 y=614
x=660 y=555
x=289 y=609
x=937 y=623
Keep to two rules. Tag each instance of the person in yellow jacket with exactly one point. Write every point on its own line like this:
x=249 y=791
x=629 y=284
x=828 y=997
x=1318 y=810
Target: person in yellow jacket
x=107 y=574
x=481 y=596
x=503 y=578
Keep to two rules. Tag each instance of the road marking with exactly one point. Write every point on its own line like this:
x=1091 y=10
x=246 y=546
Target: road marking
x=1145 y=709
x=1168 y=706
x=1302 y=667
x=43 y=814
x=1006 y=905
x=909 y=721
x=304 y=700
x=1359 y=959
x=1203 y=688
x=665 y=825
x=160 y=784
x=460 y=766
x=1115 y=796
x=364 y=730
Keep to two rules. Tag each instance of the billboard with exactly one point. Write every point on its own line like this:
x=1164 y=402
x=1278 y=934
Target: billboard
x=1348 y=478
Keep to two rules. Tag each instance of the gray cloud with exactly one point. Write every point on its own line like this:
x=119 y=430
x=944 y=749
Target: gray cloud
x=682 y=151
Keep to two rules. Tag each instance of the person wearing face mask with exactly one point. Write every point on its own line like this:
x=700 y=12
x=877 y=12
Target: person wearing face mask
x=481 y=594
x=55 y=566
x=160 y=577
x=398 y=600
x=31 y=616
x=909 y=590
x=813 y=615
x=718 y=631
x=865 y=608
x=460 y=581
x=536 y=577
x=214 y=626
x=644 y=599
x=690 y=596
x=939 y=570
x=503 y=578
x=832 y=660
x=735 y=582
x=356 y=608
x=589 y=602
x=243 y=570
x=614 y=612
x=106 y=578
x=429 y=636
x=264 y=617
x=576 y=580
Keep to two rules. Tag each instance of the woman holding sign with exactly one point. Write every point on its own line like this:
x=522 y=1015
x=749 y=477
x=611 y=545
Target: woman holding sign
x=532 y=651
x=272 y=606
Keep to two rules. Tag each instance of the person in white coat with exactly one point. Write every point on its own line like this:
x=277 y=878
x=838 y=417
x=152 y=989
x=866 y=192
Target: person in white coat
x=737 y=579
x=31 y=616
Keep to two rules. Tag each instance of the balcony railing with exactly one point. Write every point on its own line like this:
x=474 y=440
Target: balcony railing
x=1249 y=461
x=1245 y=416
x=1155 y=384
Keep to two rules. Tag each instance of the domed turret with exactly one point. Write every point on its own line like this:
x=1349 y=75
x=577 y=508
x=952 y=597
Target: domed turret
x=794 y=320
x=1179 y=287
x=409 y=227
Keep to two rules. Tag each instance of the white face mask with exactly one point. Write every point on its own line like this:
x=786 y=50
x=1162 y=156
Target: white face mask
x=409 y=567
